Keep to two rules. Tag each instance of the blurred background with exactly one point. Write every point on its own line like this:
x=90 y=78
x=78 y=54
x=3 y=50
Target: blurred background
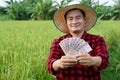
x=27 y=31
x=45 y=9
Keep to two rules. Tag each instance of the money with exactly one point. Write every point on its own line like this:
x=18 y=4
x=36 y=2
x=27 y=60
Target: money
x=75 y=46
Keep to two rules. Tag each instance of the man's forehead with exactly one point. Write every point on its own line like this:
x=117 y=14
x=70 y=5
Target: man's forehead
x=74 y=13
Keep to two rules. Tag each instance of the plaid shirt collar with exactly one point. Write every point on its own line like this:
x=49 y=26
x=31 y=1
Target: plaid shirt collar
x=83 y=36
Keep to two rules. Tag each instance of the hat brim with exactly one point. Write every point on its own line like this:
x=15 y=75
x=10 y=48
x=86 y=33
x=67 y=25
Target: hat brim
x=60 y=22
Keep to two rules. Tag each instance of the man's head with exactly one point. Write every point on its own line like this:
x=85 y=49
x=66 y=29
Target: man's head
x=75 y=15
x=75 y=20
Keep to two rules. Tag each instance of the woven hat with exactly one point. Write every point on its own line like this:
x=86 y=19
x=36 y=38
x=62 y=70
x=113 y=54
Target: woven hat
x=60 y=21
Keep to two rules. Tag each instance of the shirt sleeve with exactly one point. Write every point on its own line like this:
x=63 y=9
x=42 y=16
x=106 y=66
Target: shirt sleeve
x=55 y=53
x=101 y=50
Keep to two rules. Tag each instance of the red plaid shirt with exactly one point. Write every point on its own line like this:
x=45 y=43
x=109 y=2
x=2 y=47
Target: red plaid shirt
x=79 y=72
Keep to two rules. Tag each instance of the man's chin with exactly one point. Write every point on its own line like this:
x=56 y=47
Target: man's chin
x=76 y=31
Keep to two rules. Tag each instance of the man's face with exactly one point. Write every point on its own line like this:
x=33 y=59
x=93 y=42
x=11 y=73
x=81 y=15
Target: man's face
x=75 y=21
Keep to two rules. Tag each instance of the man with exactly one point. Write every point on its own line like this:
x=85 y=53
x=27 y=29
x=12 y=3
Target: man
x=75 y=20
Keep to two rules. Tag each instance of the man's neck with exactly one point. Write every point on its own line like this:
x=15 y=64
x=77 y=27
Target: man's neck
x=79 y=35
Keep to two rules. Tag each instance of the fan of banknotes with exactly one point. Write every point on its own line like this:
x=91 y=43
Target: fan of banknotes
x=74 y=46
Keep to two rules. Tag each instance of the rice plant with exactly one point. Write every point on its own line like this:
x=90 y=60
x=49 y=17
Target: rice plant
x=24 y=48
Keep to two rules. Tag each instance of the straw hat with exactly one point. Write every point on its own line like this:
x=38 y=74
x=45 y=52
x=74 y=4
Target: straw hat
x=60 y=21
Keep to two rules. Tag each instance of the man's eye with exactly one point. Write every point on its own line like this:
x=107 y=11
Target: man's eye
x=69 y=19
x=78 y=17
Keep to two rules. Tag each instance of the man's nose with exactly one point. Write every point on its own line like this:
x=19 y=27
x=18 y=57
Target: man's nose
x=74 y=21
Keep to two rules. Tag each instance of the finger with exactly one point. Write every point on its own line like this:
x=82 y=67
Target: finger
x=84 y=58
x=68 y=57
x=66 y=65
x=83 y=62
x=82 y=55
x=68 y=60
x=69 y=64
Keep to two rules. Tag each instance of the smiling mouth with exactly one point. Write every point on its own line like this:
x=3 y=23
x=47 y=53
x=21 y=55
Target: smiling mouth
x=75 y=26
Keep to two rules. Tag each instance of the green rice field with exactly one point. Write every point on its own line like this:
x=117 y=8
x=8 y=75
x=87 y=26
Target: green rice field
x=24 y=48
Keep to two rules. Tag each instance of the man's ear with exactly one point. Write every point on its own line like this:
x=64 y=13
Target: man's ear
x=85 y=18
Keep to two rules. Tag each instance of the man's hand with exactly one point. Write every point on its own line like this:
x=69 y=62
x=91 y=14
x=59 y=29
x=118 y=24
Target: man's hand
x=87 y=60
x=64 y=62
